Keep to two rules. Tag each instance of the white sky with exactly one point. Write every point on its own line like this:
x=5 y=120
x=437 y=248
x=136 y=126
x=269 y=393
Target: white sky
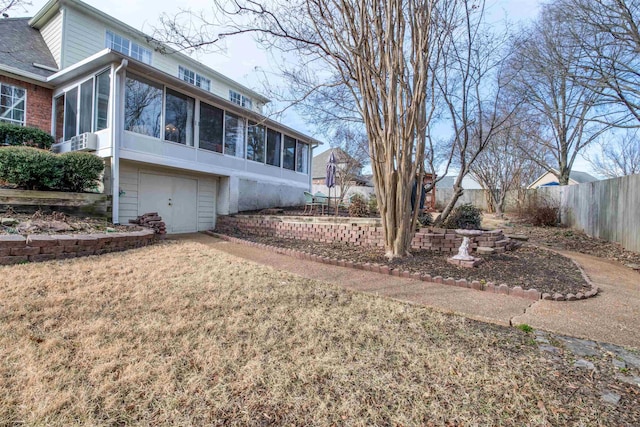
x=245 y=62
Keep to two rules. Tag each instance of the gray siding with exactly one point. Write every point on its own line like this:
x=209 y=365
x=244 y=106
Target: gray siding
x=52 y=35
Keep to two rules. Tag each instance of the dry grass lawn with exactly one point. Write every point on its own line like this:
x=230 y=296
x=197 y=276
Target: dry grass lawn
x=181 y=334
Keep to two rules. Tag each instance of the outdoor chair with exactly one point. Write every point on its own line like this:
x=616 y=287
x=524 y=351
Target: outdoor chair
x=323 y=199
x=311 y=203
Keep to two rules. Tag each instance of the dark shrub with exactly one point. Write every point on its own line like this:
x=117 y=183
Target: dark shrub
x=542 y=213
x=80 y=171
x=357 y=207
x=372 y=204
x=30 y=168
x=425 y=219
x=465 y=216
x=11 y=134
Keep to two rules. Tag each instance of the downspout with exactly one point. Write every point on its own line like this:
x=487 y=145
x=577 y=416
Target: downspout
x=115 y=144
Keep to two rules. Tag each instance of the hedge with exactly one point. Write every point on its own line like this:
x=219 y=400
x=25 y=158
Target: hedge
x=11 y=134
x=34 y=169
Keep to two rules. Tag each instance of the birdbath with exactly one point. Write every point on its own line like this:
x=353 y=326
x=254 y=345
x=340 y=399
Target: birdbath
x=463 y=258
x=463 y=252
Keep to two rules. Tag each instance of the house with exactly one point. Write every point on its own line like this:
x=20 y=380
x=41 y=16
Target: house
x=348 y=174
x=468 y=183
x=177 y=137
x=549 y=179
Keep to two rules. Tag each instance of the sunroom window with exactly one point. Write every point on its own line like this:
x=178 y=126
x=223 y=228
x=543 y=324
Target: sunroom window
x=302 y=157
x=289 y=153
x=211 y=128
x=274 y=144
x=179 y=110
x=142 y=106
x=233 y=135
x=255 y=142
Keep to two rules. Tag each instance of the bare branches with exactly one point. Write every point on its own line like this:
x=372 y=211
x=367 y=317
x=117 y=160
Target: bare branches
x=6 y=5
x=567 y=112
x=619 y=156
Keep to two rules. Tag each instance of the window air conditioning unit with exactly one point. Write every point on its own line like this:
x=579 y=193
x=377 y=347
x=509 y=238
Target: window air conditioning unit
x=84 y=142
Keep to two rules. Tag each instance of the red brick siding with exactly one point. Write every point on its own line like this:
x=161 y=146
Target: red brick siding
x=39 y=100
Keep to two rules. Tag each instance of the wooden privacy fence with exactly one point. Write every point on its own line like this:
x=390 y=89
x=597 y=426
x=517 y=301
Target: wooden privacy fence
x=607 y=209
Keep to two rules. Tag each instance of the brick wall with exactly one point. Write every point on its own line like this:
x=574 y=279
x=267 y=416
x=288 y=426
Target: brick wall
x=354 y=233
x=16 y=249
x=39 y=101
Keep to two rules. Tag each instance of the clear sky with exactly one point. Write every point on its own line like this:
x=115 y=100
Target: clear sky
x=242 y=59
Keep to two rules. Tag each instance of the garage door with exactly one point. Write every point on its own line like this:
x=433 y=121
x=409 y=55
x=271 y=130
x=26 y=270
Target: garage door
x=174 y=198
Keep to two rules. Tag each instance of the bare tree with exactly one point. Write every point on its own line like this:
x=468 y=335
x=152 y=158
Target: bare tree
x=501 y=167
x=619 y=157
x=470 y=85
x=351 y=149
x=6 y=5
x=607 y=33
x=381 y=52
x=544 y=68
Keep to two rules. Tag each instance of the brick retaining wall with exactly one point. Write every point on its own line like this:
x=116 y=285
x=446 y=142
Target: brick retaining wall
x=15 y=249
x=353 y=231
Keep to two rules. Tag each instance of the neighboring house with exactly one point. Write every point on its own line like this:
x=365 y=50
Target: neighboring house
x=348 y=167
x=177 y=137
x=468 y=183
x=549 y=179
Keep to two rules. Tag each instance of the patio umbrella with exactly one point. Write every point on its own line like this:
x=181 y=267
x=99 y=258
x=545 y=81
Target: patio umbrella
x=330 y=179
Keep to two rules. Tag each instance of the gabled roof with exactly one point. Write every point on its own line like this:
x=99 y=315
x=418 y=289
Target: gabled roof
x=468 y=182
x=23 y=46
x=578 y=177
x=582 y=177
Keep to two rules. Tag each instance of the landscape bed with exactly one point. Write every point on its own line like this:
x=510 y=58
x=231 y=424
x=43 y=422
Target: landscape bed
x=527 y=267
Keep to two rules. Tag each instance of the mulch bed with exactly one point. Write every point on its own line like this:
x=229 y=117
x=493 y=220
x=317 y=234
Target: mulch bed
x=528 y=267
x=57 y=223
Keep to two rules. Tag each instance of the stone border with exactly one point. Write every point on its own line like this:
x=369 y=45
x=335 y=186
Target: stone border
x=17 y=249
x=571 y=297
x=503 y=288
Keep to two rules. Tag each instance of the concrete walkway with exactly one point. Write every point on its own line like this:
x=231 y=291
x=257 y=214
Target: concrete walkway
x=613 y=316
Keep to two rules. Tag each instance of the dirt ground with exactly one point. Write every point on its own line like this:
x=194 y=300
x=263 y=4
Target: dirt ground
x=182 y=334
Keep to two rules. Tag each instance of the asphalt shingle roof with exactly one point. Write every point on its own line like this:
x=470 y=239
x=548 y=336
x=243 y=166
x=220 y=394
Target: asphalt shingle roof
x=21 y=46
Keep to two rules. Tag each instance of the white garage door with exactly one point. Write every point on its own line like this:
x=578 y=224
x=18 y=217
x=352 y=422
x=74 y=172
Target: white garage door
x=174 y=198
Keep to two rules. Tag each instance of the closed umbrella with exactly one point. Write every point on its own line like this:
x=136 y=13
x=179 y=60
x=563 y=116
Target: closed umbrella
x=330 y=179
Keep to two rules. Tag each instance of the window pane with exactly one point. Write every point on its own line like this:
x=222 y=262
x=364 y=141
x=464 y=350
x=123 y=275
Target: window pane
x=203 y=82
x=255 y=142
x=273 y=147
x=140 y=53
x=103 y=81
x=12 y=104
x=70 y=114
x=233 y=135
x=142 y=106
x=235 y=97
x=289 y=153
x=58 y=110
x=211 y=119
x=86 y=105
x=178 y=118
x=302 y=158
x=246 y=102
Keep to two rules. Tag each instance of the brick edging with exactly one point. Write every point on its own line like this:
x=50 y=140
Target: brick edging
x=503 y=288
x=17 y=249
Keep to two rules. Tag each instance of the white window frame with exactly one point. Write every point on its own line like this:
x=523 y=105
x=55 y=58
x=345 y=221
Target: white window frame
x=194 y=78
x=247 y=102
x=128 y=47
x=14 y=102
x=235 y=97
